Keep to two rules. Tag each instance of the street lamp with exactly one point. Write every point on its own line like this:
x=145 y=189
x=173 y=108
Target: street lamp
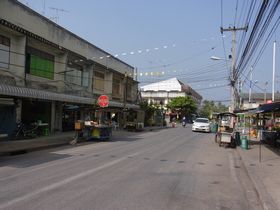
x=232 y=81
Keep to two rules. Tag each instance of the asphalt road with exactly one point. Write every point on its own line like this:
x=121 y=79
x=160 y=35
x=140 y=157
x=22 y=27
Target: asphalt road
x=165 y=169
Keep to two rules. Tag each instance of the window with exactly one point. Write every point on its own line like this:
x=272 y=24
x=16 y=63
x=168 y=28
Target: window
x=98 y=80
x=129 y=91
x=73 y=75
x=4 y=52
x=116 y=87
x=39 y=63
x=85 y=79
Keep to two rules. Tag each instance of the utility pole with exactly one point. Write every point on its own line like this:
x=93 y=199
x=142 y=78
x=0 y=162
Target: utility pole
x=273 y=70
x=265 y=86
x=233 y=78
x=240 y=93
x=251 y=83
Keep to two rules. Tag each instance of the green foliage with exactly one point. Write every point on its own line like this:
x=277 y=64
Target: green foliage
x=209 y=107
x=150 y=110
x=182 y=105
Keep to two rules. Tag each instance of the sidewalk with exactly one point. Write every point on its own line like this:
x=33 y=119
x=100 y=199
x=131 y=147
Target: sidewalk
x=264 y=173
x=58 y=139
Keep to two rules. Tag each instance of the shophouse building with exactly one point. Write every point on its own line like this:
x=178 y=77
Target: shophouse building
x=48 y=74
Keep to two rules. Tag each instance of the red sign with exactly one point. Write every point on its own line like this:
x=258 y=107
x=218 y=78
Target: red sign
x=103 y=101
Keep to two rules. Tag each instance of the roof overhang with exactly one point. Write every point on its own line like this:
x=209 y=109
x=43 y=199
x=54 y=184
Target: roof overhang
x=24 y=92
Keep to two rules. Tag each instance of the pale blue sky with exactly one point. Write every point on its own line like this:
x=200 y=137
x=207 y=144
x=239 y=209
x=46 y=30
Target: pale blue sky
x=180 y=35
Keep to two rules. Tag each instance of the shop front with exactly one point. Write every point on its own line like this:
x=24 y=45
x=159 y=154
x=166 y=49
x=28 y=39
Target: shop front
x=7 y=117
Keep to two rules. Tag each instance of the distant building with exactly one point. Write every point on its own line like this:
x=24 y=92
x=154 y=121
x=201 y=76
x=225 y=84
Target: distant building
x=257 y=99
x=162 y=92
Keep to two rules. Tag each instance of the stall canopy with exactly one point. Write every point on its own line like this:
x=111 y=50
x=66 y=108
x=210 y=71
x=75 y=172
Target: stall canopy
x=272 y=107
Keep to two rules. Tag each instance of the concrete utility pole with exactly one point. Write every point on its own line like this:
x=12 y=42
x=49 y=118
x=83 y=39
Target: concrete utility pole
x=251 y=83
x=233 y=78
x=273 y=70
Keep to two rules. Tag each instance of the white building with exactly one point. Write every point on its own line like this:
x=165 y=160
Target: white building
x=162 y=92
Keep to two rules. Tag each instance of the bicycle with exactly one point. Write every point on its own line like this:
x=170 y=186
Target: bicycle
x=25 y=132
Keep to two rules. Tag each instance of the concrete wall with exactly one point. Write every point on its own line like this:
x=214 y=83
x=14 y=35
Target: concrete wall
x=26 y=18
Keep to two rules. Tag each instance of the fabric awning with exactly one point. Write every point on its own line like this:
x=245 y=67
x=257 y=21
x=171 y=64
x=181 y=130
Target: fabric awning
x=24 y=92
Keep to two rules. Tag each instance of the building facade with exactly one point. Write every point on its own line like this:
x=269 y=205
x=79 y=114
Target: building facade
x=164 y=91
x=49 y=74
x=257 y=99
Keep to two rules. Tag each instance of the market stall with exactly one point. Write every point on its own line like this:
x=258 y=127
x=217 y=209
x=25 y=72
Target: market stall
x=95 y=131
x=268 y=117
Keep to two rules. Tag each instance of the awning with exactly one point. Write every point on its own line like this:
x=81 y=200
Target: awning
x=24 y=92
x=272 y=107
x=42 y=94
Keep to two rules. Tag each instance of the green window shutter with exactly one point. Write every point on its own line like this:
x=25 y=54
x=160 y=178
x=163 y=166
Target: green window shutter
x=41 y=67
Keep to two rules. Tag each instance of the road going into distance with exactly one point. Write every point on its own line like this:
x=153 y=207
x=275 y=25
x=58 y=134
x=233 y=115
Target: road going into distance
x=172 y=168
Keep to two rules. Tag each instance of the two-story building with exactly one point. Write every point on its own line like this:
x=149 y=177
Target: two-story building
x=51 y=75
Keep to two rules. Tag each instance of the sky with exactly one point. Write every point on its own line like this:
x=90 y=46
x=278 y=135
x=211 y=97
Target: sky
x=165 y=39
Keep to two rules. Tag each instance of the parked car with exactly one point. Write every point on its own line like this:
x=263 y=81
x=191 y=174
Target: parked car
x=201 y=124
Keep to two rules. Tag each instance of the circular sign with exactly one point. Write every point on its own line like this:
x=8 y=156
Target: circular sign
x=103 y=101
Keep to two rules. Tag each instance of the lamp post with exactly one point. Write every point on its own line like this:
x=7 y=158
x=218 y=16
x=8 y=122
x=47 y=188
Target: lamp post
x=232 y=82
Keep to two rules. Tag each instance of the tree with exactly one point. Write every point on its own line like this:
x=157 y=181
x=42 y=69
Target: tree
x=209 y=107
x=182 y=105
x=149 y=110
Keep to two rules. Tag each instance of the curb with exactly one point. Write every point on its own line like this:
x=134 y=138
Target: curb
x=266 y=200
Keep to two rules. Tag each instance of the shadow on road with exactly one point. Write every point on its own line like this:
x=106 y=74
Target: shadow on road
x=18 y=162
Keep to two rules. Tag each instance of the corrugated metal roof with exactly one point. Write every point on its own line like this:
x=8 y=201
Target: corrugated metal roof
x=24 y=92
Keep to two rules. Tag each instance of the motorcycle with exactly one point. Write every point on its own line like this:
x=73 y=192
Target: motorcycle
x=184 y=124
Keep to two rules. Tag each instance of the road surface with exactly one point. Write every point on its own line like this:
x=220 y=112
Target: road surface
x=168 y=169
